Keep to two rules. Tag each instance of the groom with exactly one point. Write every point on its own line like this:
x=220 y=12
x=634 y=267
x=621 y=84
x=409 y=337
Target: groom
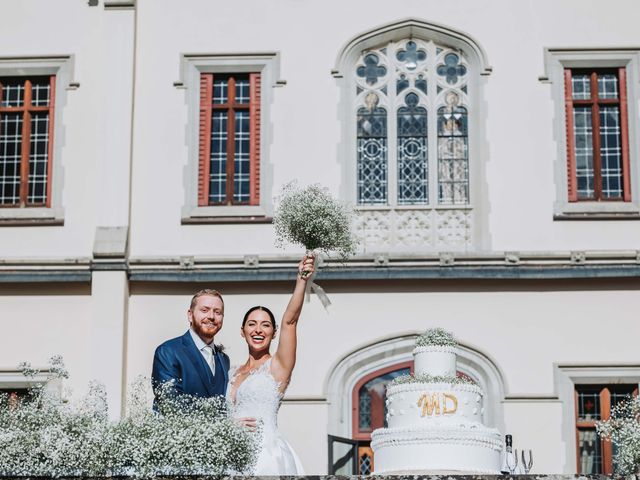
x=192 y=362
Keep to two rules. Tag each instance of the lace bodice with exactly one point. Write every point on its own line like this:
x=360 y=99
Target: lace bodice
x=257 y=396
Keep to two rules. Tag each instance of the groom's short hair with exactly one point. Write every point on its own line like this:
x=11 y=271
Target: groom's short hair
x=205 y=291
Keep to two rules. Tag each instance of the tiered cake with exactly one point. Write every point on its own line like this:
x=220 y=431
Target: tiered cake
x=435 y=418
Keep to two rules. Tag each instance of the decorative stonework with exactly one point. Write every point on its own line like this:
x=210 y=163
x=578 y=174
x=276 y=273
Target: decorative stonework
x=395 y=230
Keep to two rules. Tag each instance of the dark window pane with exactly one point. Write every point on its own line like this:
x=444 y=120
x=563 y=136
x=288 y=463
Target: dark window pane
x=38 y=157
x=607 y=86
x=453 y=155
x=220 y=89
x=242 y=179
x=40 y=92
x=218 y=175
x=12 y=92
x=242 y=89
x=10 y=153
x=583 y=140
x=589 y=403
x=611 y=152
x=581 y=85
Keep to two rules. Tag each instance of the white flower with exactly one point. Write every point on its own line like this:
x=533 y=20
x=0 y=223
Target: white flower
x=311 y=217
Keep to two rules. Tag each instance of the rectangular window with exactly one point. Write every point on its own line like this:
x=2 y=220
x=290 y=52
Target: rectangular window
x=26 y=140
x=594 y=403
x=597 y=135
x=229 y=166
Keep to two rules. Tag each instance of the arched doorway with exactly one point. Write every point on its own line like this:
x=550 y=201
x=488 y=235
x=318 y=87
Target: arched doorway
x=356 y=394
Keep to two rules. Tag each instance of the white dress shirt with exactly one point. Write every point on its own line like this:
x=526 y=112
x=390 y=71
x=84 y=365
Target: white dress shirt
x=206 y=350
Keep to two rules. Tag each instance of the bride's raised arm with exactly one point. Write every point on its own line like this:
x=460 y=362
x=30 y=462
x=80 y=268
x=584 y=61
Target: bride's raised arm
x=285 y=356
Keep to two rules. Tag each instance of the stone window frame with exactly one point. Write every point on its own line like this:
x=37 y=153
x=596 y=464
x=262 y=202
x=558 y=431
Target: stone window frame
x=556 y=61
x=566 y=377
x=192 y=66
x=62 y=67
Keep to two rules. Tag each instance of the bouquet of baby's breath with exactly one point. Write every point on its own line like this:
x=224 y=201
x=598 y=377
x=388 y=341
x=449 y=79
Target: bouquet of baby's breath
x=623 y=429
x=40 y=435
x=311 y=217
x=436 y=337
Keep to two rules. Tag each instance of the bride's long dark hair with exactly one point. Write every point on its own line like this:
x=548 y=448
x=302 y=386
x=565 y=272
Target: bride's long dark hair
x=264 y=309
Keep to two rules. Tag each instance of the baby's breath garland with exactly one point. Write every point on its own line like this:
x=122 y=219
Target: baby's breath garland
x=312 y=218
x=425 y=378
x=436 y=337
x=42 y=435
x=623 y=429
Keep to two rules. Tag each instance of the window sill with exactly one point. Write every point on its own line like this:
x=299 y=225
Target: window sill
x=37 y=216
x=597 y=211
x=224 y=214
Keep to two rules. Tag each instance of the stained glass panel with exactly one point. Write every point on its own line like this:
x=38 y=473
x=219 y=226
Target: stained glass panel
x=412 y=153
x=453 y=164
x=365 y=465
x=590 y=454
x=372 y=156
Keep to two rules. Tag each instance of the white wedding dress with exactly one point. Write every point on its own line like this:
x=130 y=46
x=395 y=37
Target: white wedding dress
x=258 y=396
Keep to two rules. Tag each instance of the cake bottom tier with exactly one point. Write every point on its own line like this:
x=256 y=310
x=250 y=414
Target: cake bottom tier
x=433 y=451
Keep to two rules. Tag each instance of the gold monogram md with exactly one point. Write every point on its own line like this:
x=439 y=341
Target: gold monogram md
x=431 y=404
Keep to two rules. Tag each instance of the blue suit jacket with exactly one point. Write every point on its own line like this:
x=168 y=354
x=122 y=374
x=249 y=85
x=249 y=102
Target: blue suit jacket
x=179 y=360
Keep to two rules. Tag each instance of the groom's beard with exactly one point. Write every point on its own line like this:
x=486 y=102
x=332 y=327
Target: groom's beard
x=206 y=331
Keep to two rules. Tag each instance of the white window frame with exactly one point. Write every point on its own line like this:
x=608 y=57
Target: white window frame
x=566 y=377
x=556 y=61
x=62 y=68
x=192 y=65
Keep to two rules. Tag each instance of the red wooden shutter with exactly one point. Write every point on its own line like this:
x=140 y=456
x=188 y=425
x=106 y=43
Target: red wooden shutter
x=52 y=100
x=571 y=150
x=254 y=135
x=624 y=134
x=204 y=146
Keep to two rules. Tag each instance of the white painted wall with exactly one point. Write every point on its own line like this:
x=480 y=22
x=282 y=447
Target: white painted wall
x=525 y=328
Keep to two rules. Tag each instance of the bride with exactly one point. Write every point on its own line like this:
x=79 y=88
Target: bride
x=257 y=387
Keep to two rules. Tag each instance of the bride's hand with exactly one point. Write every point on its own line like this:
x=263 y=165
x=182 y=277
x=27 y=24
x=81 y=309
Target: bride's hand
x=249 y=423
x=306 y=267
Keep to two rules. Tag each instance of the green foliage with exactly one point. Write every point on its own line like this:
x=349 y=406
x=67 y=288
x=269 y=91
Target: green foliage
x=436 y=337
x=41 y=435
x=623 y=429
x=311 y=217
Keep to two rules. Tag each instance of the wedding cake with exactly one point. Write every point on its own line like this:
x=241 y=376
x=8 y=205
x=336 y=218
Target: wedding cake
x=434 y=418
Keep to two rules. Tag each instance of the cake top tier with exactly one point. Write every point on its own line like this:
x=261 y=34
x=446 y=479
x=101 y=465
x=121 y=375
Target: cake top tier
x=435 y=354
x=436 y=337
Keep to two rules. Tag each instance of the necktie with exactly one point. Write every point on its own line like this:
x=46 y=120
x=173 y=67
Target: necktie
x=208 y=353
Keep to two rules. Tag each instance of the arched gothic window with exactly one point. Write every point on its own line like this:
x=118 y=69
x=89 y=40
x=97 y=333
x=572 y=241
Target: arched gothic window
x=412 y=125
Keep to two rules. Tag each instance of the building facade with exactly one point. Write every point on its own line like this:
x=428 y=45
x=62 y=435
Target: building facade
x=490 y=149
